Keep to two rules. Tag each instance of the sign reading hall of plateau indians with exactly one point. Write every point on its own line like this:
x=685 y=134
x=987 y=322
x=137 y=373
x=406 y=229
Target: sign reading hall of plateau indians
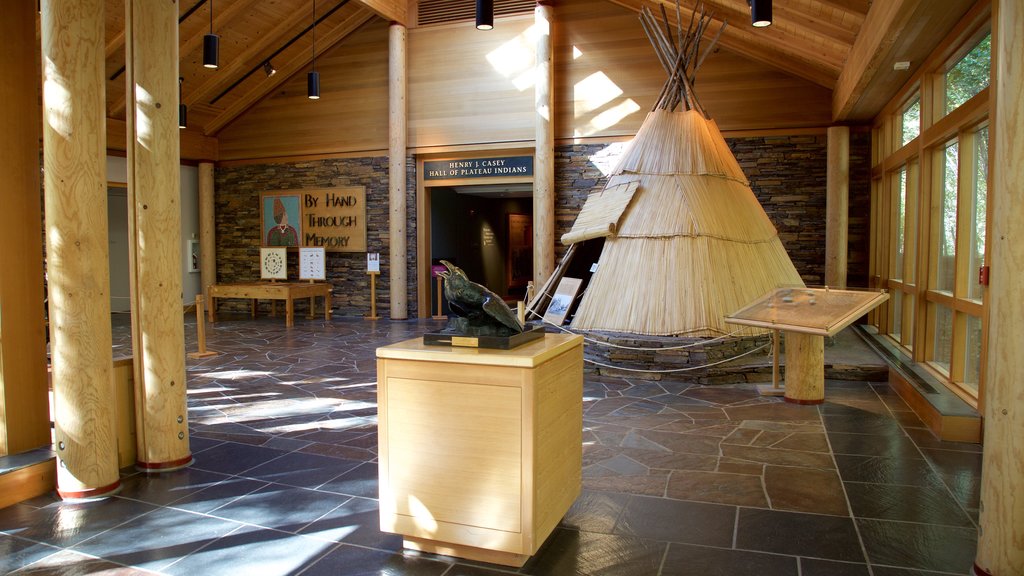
x=478 y=168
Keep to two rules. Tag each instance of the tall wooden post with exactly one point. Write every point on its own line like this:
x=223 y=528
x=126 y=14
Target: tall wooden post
x=154 y=226
x=544 y=157
x=837 y=206
x=75 y=183
x=397 y=137
x=1001 y=524
x=24 y=410
x=207 y=230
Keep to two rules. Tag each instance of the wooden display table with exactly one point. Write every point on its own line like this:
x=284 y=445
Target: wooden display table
x=806 y=315
x=480 y=450
x=287 y=291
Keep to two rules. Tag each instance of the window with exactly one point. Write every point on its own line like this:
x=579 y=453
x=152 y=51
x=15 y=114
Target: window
x=911 y=125
x=969 y=76
x=930 y=216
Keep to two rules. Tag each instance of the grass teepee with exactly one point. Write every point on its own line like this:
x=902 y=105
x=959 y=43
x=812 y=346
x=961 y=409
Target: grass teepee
x=688 y=242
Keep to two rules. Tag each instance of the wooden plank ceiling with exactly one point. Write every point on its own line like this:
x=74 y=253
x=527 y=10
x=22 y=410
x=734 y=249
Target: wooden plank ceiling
x=810 y=39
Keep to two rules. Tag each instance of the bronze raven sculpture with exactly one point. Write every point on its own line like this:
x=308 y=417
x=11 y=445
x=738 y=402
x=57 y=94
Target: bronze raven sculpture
x=477 y=310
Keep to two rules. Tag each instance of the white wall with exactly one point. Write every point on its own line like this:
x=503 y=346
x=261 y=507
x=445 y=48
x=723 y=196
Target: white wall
x=117 y=171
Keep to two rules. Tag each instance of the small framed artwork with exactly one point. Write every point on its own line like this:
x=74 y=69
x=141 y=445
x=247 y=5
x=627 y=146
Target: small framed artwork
x=312 y=263
x=562 y=299
x=281 y=218
x=193 y=255
x=274 y=263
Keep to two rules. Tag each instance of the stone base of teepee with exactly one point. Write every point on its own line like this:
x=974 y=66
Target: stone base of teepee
x=666 y=359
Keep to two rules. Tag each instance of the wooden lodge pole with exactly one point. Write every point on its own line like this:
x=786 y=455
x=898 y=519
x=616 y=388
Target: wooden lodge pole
x=837 y=208
x=75 y=184
x=440 y=292
x=207 y=230
x=24 y=409
x=544 y=155
x=397 y=140
x=1001 y=522
x=154 y=229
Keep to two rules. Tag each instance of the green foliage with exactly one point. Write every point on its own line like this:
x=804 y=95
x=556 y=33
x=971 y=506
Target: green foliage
x=970 y=75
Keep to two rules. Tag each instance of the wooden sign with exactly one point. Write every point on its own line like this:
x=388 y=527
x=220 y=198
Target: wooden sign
x=478 y=168
x=334 y=218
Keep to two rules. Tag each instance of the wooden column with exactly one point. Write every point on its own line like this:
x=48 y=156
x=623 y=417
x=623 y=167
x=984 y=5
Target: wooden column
x=805 y=368
x=154 y=227
x=1001 y=524
x=24 y=409
x=544 y=157
x=207 y=230
x=397 y=137
x=75 y=182
x=837 y=206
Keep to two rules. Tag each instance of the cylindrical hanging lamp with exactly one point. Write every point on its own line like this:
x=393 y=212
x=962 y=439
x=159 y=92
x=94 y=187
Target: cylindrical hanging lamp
x=211 y=45
x=484 y=14
x=313 y=77
x=182 y=109
x=760 y=13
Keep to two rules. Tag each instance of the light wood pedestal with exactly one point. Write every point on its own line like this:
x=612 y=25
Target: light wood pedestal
x=480 y=450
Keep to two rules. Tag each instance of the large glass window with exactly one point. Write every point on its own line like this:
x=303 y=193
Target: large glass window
x=969 y=76
x=945 y=263
x=929 y=229
x=911 y=122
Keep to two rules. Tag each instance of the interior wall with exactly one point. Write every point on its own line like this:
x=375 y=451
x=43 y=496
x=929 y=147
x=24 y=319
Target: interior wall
x=117 y=171
x=469 y=87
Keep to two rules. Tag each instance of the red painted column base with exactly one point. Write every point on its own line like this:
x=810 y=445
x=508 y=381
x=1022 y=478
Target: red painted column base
x=91 y=493
x=164 y=466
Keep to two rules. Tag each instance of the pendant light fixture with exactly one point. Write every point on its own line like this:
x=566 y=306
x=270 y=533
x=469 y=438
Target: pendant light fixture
x=313 y=78
x=760 y=13
x=211 y=45
x=182 y=109
x=484 y=14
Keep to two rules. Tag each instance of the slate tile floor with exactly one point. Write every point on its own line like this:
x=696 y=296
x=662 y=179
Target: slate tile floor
x=678 y=479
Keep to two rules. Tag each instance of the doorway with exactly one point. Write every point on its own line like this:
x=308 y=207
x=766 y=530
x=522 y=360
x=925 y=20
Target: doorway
x=487 y=230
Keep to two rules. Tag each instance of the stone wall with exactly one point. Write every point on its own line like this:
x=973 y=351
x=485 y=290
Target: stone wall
x=787 y=174
x=237 y=205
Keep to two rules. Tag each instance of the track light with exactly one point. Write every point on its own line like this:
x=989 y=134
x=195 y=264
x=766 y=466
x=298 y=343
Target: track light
x=484 y=14
x=211 y=45
x=760 y=13
x=269 y=69
x=182 y=109
x=313 y=78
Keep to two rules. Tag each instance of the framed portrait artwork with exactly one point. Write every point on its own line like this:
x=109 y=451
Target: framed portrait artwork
x=281 y=219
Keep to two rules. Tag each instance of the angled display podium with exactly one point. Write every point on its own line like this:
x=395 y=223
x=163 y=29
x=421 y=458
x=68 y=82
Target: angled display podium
x=480 y=449
x=807 y=316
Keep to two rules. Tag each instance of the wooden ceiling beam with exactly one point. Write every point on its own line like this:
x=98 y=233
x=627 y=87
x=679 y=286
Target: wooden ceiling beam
x=816 y=26
x=220 y=20
x=252 y=56
x=762 y=45
x=859 y=7
x=286 y=70
x=393 y=10
x=883 y=25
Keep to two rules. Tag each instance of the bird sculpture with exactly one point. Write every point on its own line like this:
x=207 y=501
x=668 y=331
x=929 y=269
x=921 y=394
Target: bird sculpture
x=478 y=310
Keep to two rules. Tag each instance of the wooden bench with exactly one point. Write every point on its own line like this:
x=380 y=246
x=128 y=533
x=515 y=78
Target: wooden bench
x=287 y=291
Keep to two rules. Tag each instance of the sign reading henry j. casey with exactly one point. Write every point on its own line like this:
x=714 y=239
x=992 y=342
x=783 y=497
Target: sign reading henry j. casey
x=478 y=168
x=334 y=218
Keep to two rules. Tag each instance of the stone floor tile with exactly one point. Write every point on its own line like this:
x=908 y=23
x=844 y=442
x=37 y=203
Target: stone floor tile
x=793 y=533
x=919 y=546
x=717 y=487
x=574 y=553
x=685 y=560
x=805 y=490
